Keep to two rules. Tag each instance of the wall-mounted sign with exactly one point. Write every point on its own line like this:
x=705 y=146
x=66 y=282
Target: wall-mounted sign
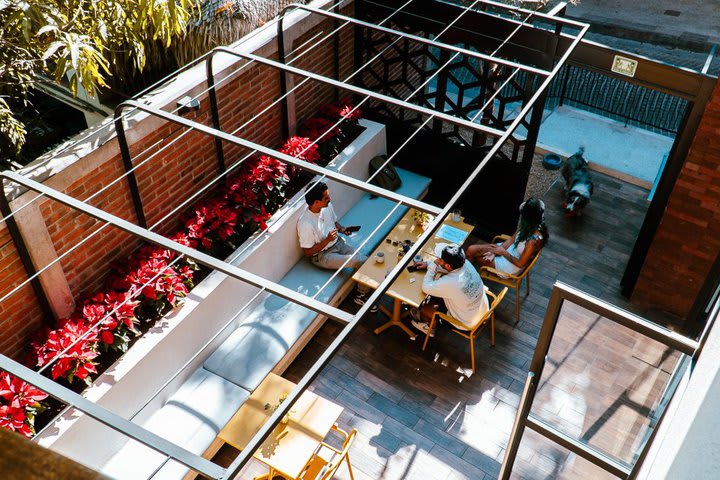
x=624 y=66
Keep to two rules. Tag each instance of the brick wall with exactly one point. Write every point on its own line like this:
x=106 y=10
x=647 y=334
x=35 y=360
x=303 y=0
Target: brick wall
x=315 y=52
x=85 y=265
x=19 y=314
x=248 y=95
x=180 y=162
x=688 y=239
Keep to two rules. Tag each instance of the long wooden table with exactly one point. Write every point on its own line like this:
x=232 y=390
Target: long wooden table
x=407 y=288
x=289 y=448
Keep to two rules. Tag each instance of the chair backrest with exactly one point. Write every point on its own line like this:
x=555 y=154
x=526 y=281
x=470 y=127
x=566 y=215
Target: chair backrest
x=334 y=464
x=530 y=265
x=497 y=298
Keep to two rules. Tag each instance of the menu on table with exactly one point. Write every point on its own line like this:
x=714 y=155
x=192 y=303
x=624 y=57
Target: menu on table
x=452 y=234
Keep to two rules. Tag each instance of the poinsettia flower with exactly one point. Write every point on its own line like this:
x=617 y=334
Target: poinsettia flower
x=18 y=393
x=13 y=418
x=107 y=337
x=302 y=148
x=94 y=312
x=81 y=342
x=348 y=113
x=316 y=127
x=149 y=292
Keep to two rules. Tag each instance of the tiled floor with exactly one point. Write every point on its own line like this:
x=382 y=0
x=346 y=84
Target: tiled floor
x=422 y=415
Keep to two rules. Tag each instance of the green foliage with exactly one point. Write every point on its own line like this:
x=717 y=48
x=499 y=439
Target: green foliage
x=80 y=41
x=12 y=132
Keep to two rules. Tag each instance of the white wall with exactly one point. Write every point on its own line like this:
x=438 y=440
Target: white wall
x=687 y=445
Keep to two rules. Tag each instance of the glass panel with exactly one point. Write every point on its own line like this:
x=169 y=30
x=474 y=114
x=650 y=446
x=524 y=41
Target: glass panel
x=603 y=383
x=539 y=458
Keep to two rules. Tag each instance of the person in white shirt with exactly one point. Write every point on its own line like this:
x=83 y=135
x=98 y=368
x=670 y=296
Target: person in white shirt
x=318 y=231
x=456 y=283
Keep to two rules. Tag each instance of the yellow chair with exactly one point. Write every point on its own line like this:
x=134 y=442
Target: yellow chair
x=512 y=281
x=462 y=329
x=326 y=461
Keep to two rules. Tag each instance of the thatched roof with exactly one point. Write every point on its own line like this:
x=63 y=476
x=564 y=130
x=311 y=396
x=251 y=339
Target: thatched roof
x=224 y=21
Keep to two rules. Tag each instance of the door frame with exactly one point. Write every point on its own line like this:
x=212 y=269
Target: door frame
x=562 y=292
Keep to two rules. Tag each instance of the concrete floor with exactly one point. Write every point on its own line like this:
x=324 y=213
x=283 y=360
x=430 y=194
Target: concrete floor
x=609 y=145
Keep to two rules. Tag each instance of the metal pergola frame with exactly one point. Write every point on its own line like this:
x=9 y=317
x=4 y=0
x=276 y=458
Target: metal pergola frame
x=193 y=461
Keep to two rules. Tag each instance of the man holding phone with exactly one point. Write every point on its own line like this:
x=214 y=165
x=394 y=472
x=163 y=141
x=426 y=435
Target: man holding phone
x=318 y=231
x=455 y=287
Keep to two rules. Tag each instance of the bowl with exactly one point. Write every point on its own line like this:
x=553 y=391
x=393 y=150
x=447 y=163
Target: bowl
x=552 y=161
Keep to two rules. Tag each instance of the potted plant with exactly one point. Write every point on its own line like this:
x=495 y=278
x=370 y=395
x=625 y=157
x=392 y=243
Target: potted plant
x=421 y=219
x=275 y=406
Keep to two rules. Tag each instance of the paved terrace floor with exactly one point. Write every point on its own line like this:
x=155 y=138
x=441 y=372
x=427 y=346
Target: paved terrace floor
x=421 y=417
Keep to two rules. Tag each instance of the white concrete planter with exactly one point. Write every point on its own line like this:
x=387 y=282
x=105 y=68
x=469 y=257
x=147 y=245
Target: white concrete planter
x=180 y=342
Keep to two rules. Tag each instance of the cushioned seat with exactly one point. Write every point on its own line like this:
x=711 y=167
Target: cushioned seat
x=368 y=212
x=191 y=418
x=272 y=328
x=263 y=339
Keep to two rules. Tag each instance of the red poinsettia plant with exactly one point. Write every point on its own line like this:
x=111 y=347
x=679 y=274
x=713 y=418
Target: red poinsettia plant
x=256 y=191
x=114 y=313
x=158 y=284
x=19 y=403
x=328 y=131
x=302 y=148
x=341 y=109
x=80 y=339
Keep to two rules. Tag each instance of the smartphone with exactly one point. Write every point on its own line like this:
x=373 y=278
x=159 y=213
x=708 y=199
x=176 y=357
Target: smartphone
x=412 y=268
x=352 y=229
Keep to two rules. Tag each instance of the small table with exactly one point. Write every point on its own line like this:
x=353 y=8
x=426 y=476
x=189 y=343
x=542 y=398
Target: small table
x=402 y=290
x=290 y=446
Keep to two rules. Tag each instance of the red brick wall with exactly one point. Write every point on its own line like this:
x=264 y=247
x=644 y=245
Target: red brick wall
x=688 y=239
x=177 y=163
x=248 y=94
x=85 y=267
x=315 y=53
x=19 y=314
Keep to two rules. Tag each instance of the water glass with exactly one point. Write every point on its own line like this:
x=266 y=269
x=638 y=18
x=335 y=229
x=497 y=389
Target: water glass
x=456 y=215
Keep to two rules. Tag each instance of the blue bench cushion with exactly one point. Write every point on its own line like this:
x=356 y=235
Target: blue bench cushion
x=191 y=418
x=263 y=339
x=368 y=212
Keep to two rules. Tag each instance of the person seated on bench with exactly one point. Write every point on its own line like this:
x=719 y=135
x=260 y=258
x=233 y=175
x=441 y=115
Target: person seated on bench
x=455 y=288
x=318 y=230
x=515 y=253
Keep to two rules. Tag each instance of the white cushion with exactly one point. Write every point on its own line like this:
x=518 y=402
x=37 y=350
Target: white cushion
x=368 y=212
x=191 y=419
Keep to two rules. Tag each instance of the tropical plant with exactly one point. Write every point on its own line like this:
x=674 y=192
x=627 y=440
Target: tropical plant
x=81 y=41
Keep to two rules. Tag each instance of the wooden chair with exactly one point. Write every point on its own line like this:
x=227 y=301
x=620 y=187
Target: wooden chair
x=326 y=461
x=462 y=329
x=512 y=281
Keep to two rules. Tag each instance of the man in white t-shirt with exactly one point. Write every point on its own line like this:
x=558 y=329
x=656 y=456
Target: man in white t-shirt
x=454 y=281
x=318 y=230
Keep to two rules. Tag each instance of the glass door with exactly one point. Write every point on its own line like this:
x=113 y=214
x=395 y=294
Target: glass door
x=598 y=385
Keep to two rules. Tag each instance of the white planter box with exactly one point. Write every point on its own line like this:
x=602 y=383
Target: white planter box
x=179 y=343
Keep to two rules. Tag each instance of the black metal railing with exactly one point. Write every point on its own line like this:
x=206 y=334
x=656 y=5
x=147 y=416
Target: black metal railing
x=614 y=98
